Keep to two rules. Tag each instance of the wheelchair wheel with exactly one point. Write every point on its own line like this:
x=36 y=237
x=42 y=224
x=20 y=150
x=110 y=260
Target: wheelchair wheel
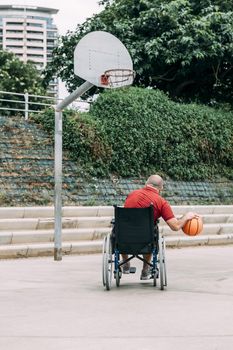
x=107 y=262
x=164 y=261
x=103 y=261
x=161 y=264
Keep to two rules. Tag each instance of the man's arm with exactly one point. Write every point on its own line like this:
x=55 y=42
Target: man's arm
x=177 y=224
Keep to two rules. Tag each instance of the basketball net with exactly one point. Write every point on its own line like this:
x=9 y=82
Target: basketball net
x=115 y=77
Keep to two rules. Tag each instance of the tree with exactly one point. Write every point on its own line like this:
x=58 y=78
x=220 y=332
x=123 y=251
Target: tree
x=184 y=47
x=16 y=76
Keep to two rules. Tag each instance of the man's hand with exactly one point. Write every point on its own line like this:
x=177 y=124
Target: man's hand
x=190 y=215
x=177 y=224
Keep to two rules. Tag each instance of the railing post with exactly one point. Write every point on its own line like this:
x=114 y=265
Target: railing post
x=26 y=105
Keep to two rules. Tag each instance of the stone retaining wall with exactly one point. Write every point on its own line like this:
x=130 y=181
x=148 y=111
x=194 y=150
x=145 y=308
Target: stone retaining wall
x=177 y=192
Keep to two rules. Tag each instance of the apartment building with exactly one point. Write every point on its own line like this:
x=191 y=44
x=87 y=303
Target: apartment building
x=29 y=32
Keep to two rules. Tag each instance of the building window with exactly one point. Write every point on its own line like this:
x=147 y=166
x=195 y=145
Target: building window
x=51 y=34
x=14 y=31
x=50 y=42
x=34 y=48
x=14 y=39
x=34 y=32
x=14 y=46
x=35 y=55
x=35 y=25
x=35 y=40
x=14 y=23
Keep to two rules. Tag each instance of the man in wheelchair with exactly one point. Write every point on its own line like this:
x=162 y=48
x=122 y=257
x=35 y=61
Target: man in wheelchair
x=135 y=233
x=150 y=194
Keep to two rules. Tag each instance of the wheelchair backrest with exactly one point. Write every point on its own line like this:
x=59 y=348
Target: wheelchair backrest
x=134 y=229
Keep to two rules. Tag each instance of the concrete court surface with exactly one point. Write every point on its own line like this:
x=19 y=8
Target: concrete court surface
x=52 y=305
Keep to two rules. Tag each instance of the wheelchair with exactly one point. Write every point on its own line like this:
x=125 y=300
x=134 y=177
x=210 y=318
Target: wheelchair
x=133 y=233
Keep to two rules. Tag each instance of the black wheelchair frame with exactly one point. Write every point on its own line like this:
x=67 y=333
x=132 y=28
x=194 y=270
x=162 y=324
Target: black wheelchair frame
x=133 y=233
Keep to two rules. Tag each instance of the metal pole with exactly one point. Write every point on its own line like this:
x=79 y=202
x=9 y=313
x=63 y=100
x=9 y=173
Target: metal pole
x=26 y=105
x=58 y=186
x=75 y=94
x=58 y=166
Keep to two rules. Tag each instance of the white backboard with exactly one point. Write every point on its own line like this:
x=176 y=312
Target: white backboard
x=98 y=52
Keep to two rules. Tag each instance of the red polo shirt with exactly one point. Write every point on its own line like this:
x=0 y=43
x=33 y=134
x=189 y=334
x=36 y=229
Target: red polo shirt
x=146 y=196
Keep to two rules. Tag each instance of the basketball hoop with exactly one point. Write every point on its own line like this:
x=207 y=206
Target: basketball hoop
x=117 y=77
x=102 y=59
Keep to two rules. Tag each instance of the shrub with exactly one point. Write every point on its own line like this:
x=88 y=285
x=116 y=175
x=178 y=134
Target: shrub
x=82 y=137
x=148 y=132
x=135 y=131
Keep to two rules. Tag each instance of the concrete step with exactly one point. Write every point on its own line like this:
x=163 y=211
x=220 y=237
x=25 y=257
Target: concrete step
x=94 y=232
x=47 y=249
x=42 y=236
x=43 y=223
x=31 y=229
x=48 y=223
x=208 y=229
x=48 y=212
x=185 y=241
x=73 y=211
x=203 y=209
x=217 y=218
x=209 y=219
x=88 y=247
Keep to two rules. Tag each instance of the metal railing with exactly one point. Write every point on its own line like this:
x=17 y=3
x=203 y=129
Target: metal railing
x=25 y=103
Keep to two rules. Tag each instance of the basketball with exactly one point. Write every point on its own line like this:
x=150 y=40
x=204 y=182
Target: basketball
x=193 y=227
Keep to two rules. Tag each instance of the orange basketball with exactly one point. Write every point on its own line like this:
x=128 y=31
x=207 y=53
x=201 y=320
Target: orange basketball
x=193 y=227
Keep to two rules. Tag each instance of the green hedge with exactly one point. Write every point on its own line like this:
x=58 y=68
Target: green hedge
x=82 y=137
x=148 y=132
x=134 y=131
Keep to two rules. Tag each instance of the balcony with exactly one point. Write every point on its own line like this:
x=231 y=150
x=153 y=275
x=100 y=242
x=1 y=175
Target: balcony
x=33 y=46
x=13 y=41
x=35 y=25
x=36 y=58
x=14 y=32
x=14 y=23
x=36 y=52
x=35 y=31
x=50 y=44
x=15 y=48
x=35 y=35
x=33 y=41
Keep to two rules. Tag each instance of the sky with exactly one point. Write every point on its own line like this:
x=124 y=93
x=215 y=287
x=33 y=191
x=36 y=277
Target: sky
x=71 y=13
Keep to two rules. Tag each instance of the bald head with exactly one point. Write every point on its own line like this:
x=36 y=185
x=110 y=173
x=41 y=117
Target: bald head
x=155 y=181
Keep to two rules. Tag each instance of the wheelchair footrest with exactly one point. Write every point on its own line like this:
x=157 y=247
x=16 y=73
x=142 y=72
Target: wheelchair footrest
x=132 y=269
